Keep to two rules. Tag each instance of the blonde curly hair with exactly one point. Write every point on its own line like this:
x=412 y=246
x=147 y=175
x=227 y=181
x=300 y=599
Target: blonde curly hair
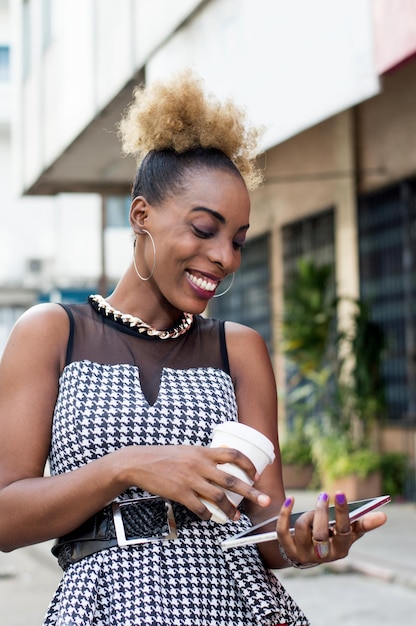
x=178 y=115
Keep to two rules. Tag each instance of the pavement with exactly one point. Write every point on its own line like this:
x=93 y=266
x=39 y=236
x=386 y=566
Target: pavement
x=29 y=576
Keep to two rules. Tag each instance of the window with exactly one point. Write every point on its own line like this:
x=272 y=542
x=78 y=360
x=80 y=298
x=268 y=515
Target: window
x=117 y=210
x=387 y=249
x=248 y=301
x=4 y=64
x=311 y=238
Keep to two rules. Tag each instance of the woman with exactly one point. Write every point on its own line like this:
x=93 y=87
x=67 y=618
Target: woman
x=122 y=395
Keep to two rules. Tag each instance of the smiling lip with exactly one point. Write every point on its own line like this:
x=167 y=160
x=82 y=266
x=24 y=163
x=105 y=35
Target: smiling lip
x=203 y=283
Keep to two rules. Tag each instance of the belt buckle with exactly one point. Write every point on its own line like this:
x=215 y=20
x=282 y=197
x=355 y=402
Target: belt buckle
x=143 y=520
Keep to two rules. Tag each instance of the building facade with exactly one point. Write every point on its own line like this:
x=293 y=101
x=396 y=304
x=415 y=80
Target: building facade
x=39 y=236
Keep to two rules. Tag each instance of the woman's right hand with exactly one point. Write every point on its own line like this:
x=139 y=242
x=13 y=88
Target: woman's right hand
x=186 y=473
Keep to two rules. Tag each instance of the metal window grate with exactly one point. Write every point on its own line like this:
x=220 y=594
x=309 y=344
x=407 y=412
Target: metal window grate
x=312 y=238
x=248 y=301
x=387 y=249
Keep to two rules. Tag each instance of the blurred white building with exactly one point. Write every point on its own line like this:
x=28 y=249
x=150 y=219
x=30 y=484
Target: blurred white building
x=333 y=81
x=40 y=237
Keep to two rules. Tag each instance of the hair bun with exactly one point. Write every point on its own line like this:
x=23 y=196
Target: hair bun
x=179 y=115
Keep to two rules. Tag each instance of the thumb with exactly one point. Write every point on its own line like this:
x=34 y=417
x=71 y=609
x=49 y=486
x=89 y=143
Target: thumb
x=370 y=521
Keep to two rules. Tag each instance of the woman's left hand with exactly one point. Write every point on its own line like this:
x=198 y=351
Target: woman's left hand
x=313 y=541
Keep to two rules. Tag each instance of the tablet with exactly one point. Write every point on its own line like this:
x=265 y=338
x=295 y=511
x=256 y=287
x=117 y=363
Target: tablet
x=266 y=530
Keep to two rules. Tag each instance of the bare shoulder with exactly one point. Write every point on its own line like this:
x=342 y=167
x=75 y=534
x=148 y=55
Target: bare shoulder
x=43 y=313
x=247 y=351
x=41 y=330
x=243 y=340
x=30 y=369
x=47 y=316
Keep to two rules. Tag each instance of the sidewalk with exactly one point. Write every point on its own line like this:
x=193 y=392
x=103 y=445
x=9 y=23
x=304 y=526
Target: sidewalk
x=388 y=552
x=28 y=577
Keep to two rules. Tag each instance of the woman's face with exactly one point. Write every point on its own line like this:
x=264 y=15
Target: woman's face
x=198 y=236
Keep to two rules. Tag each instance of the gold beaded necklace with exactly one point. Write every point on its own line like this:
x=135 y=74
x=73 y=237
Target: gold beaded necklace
x=102 y=307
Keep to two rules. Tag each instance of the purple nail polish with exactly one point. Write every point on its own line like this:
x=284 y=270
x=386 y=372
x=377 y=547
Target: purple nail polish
x=340 y=498
x=288 y=502
x=323 y=496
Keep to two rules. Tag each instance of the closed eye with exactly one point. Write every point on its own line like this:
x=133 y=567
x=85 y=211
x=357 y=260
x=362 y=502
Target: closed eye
x=202 y=233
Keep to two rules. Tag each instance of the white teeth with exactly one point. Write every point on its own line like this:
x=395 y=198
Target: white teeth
x=202 y=283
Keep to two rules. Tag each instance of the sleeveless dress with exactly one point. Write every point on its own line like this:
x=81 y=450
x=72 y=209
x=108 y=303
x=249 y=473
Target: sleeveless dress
x=120 y=388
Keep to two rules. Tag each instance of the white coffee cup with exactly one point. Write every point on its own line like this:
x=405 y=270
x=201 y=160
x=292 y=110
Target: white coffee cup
x=258 y=448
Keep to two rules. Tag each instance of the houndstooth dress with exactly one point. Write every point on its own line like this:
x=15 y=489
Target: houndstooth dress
x=113 y=392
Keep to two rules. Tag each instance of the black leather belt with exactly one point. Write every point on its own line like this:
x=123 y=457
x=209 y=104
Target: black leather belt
x=124 y=523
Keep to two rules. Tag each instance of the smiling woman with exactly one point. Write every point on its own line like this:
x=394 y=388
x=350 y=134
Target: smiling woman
x=122 y=394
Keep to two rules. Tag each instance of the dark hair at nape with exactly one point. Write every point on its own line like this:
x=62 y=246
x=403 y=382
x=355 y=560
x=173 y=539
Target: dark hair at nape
x=162 y=173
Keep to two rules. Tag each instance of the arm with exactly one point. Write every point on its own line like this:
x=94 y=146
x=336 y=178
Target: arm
x=256 y=394
x=35 y=508
x=32 y=507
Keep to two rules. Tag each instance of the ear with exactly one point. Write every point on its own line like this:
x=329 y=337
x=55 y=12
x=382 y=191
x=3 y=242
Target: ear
x=139 y=211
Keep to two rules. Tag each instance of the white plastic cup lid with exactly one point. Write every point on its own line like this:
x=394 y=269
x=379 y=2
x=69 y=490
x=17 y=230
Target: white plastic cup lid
x=248 y=434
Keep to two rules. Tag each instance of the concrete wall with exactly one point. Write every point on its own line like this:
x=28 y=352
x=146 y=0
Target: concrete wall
x=272 y=60
x=305 y=175
x=387 y=131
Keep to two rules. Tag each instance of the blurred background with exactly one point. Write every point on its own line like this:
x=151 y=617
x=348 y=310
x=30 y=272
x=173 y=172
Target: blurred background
x=329 y=271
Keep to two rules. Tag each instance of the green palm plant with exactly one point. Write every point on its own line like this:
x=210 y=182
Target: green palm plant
x=328 y=393
x=310 y=342
x=367 y=345
x=309 y=314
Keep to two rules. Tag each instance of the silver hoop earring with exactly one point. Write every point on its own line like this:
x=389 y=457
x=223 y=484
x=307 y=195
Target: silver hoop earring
x=154 y=256
x=218 y=295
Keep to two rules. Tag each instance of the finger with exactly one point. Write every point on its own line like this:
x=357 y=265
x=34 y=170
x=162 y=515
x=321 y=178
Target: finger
x=320 y=528
x=259 y=497
x=283 y=521
x=368 y=522
x=283 y=529
x=342 y=531
x=217 y=497
x=229 y=494
x=342 y=526
x=303 y=530
x=225 y=456
x=232 y=478
x=296 y=545
x=196 y=505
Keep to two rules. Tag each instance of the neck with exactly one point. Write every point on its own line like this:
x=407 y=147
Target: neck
x=139 y=299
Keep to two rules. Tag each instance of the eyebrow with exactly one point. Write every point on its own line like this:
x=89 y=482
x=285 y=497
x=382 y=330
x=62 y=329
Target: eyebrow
x=217 y=216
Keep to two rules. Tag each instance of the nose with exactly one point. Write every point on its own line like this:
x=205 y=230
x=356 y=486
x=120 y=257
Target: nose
x=224 y=255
